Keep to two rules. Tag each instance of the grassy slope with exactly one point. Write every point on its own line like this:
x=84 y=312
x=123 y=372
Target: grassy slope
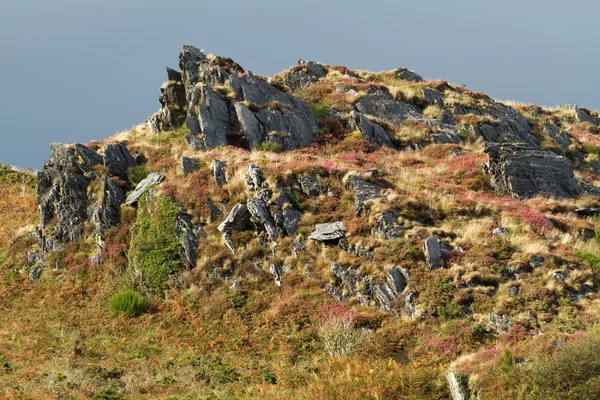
x=59 y=340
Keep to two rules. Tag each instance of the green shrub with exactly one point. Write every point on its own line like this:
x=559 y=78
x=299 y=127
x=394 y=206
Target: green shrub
x=128 y=302
x=321 y=109
x=154 y=253
x=138 y=173
x=450 y=310
x=268 y=377
x=270 y=146
x=214 y=370
x=108 y=394
x=9 y=176
x=591 y=258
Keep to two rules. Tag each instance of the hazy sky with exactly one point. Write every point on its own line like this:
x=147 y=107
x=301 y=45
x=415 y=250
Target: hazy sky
x=77 y=70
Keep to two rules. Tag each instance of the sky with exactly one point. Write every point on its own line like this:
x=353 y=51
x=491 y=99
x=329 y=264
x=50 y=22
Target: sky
x=74 y=71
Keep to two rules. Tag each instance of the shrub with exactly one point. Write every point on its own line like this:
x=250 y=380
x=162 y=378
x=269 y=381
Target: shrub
x=321 y=109
x=273 y=147
x=138 y=173
x=340 y=337
x=10 y=176
x=128 y=302
x=108 y=394
x=268 y=377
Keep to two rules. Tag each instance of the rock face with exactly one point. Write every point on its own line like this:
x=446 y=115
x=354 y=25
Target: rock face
x=371 y=131
x=188 y=165
x=237 y=220
x=363 y=191
x=459 y=385
x=433 y=253
x=408 y=75
x=382 y=105
x=583 y=116
x=112 y=198
x=328 y=232
x=560 y=137
x=262 y=217
x=218 y=168
x=118 y=160
x=386 y=226
x=304 y=75
x=311 y=186
x=522 y=171
x=151 y=180
x=89 y=156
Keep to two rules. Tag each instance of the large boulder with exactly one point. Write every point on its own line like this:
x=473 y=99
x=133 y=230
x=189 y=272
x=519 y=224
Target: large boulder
x=305 y=74
x=522 y=172
x=189 y=165
x=237 y=220
x=218 y=168
x=328 y=232
x=118 y=160
x=382 y=105
x=262 y=216
x=363 y=191
x=372 y=132
x=582 y=116
x=433 y=253
x=112 y=198
x=89 y=156
x=151 y=180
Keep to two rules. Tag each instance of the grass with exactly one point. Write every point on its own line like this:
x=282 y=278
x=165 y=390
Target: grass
x=128 y=302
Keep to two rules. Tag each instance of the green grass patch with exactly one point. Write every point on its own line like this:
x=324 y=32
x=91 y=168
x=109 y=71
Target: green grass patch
x=128 y=302
x=321 y=109
x=590 y=258
x=9 y=176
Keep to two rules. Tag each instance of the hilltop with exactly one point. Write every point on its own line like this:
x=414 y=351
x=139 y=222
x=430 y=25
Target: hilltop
x=322 y=233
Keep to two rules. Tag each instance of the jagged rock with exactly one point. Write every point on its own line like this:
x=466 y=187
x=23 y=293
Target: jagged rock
x=328 y=232
x=291 y=218
x=229 y=242
x=89 y=156
x=371 y=131
x=212 y=120
x=582 y=116
x=587 y=211
x=408 y=75
x=433 y=96
x=311 y=186
x=433 y=253
x=151 y=180
x=188 y=165
x=195 y=143
x=397 y=279
x=458 y=383
x=112 y=198
x=514 y=290
x=586 y=234
x=254 y=178
x=215 y=212
x=382 y=105
x=561 y=137
x=306 y=74
x=386 y=226
x=536 y=261
x=154 y=123
x=355 y=249
x=185 y=231
x=62 y=193
x=36 y=272
x=500 y=231
x=522 y=172
x=173 y=75
x=363 y=191
x=292 y=124
x=118 y=160
x=218 y=168
x=173 y=101
x=259 y=211
x=237 y=220
x=275 y=270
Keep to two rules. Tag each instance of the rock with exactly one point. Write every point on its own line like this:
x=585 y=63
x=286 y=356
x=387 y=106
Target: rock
x=536 y=261
x=235 y=284
x=386 y=226
x=458 y=383
x=305 y=75
x=212 y=120
x=228 y=242
x=237 y=220
x=522 y=172
x=154 y=123
x=151 y=180
x=500 y=323
x=262 y=217
x=188 y=165
x=294 y=122
x=311 y=186
x=560 y=137
x=195 y=143
x=218 y=168
x=35 y=273
x=276 y=272
x=514 y=290
x=383 y=106
x=112 y=198
x=500 y=231
x=185 y=231
x=586 y=234
x=433 y=253
x=433 y=96
x=328 y=232
x=587 y=211
x=363 y=191
x=371 y=131
x=254 y=178
x=397 y=279
x=118 y=160
x=215 y=212
x=407 y=75
x=89 y=156
x=582 y=116
x=173 y=105
x=173 y=75
x=291 y=218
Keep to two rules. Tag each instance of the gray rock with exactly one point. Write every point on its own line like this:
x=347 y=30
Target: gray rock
x=151 y=180
x=397 y=279
x=458 y=383
x=522 y=172
x=35 y=273
x=189 y=165
x=154 y=123
x=237 y=220
x=173 y=101
x=587 y=211
x=254 y=178
x=228 y=242
x=433 y=96
x=371 y=131
x=195 y=143
x=583 y=116
x=363 y=191
x=328 y=232
x=89 y=156
x=262 y=217
x=213 y=118
x=500 y=231
x=514 y=290
x=560 y=136
x=408 y=75
x=173 y=75
x=118 y=160
x=112 y=198
x=215 y=212
x=386 y=226
x=235 y=284
x=311 y=186
x=218 y=168
x=185 y=231
x=586 y=234
x=382 y=105
x=305 y=75
x=433 y=253
x=536 y=261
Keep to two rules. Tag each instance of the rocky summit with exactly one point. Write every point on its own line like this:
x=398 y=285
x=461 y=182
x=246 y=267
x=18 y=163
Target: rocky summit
x=322 y=233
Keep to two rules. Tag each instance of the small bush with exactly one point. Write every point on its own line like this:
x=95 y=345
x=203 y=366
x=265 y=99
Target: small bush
x=273 y=147
x=268 y=377
x=128 y=302
x=108 y=394
x=340 y=337
x=321 y=109
x=138 y=173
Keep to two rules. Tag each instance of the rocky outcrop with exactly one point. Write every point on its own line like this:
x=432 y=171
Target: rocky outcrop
x=254 y=178
x=382 y=105
x=328 y=232
x=151 y=180
x=372 y=132
x=522 y=171
x=433 y=96
x=237 y=220
x=118 y=160
x=363 y=191
x=560 y=136
x=387 y=227
x=459 y=385
x=211 y=124
x=433 y=253
x=188 y=165
x=582 y=116
x=187 y=234
x=407 y=75
x=112 y=198
x=304 y=75
x=262 y=217
x=311 y=186
x=218 y=168
x=90 y=157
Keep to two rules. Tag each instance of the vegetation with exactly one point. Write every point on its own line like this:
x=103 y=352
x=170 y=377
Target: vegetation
x=128 y=302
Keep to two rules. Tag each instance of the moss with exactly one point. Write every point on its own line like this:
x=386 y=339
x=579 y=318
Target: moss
x=154 y=253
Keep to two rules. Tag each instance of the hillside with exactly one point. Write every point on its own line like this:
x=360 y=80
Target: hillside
x=324 y=233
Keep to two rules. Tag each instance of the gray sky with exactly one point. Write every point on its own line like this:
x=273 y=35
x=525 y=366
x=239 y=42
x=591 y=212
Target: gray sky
x=75 y=70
